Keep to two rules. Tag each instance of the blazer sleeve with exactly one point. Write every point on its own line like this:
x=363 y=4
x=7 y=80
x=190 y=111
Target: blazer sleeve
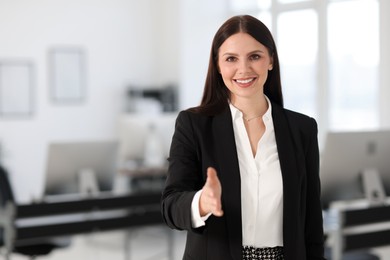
x=314 y=223
x=184 y=175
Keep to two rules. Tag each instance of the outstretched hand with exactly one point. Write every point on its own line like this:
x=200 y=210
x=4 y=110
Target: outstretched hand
x=210 y=199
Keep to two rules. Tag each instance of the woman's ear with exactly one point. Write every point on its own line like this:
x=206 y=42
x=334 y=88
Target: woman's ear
x=271 y=64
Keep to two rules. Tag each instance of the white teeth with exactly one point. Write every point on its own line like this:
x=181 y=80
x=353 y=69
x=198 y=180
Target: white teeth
x=244 y=81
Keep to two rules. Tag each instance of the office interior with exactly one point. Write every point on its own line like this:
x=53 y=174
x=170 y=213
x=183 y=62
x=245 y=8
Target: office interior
x=114 y=73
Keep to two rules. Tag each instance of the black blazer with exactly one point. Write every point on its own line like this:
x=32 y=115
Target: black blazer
x=201 y=141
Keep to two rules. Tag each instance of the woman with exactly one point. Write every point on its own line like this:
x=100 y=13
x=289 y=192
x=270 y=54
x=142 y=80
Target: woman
x=243 y=175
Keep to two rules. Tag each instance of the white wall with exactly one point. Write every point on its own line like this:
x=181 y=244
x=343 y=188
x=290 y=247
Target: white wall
x=128 y=43
x=385 y=63
x=199 y=21
x=124 y=46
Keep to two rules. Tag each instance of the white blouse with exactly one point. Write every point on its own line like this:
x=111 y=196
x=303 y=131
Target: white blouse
x=261 y=186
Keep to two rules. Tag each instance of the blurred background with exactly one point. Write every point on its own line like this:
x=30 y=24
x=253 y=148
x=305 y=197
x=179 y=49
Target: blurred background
x=96 y=71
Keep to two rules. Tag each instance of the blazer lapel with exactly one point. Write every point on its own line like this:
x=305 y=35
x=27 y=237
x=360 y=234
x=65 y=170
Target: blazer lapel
x=229 y=174
x=290 y=173
x=285 y=144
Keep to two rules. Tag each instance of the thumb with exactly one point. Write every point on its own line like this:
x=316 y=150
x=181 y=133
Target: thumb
x=214 y=191
x=212 y=177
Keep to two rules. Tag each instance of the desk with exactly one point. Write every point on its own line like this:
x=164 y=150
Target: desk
x=353 y=225
x=70 y=215
x=145 y=178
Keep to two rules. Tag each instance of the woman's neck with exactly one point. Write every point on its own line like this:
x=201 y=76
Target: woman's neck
x=251 y=107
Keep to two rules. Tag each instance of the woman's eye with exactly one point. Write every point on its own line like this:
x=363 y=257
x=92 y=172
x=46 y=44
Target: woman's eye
x=255 y=57
x=231 y=59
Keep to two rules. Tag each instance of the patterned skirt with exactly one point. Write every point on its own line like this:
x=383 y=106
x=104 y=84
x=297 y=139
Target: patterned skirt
x=268 y=253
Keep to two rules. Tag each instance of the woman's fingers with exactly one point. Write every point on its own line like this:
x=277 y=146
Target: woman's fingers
x=210 y=200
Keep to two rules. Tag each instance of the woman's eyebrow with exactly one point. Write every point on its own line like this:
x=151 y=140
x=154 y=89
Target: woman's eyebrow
x=234 y=54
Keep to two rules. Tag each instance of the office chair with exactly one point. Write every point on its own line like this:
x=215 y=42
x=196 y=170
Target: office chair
x=35 y=249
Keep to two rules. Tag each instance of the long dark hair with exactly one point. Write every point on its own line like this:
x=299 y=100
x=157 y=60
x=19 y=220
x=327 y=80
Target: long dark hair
x=216 y=95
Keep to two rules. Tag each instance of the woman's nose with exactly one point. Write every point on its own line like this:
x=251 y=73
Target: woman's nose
x=244 y=66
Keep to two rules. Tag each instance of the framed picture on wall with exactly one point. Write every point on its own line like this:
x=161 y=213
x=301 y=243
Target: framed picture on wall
x=67 y=74
x=16 y=88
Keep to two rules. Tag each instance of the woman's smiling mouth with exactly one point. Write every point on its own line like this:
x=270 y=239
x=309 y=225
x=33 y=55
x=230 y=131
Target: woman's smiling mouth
x=244 y=82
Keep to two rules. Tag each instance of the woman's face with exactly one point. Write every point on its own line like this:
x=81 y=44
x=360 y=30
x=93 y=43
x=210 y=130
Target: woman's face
x=244 y=64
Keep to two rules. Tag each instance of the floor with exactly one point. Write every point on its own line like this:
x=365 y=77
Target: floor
x=148 y=243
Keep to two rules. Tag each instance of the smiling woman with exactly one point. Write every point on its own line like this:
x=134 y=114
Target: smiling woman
x=243 y=174
x=244 y=64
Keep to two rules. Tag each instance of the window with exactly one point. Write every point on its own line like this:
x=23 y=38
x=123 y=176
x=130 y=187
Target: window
x=291 y=1
x=353 y=64
x=329 y=56
x=297 y=46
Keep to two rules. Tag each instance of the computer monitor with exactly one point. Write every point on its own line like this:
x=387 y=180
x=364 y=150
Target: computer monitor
x=71 y=163
x=135 y=138
x=346 y=155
